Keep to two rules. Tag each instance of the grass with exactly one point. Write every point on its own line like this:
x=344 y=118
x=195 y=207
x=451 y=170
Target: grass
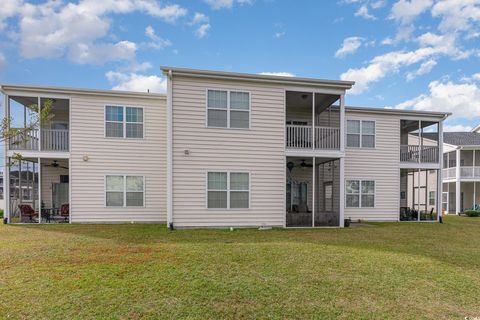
x=375 y=271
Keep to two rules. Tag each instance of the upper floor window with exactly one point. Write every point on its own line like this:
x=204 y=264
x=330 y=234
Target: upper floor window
x=123 y=122
x=360 y=134
x=228 y=109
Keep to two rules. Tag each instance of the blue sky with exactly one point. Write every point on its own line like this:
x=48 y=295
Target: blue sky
x=418 y=54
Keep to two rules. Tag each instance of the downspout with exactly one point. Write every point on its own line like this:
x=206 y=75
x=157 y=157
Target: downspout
x=169 y=150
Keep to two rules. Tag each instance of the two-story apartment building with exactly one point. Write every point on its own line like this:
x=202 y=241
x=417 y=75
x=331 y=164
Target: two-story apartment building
x=222 y=149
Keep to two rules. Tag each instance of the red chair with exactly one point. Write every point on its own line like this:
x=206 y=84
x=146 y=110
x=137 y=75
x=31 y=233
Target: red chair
x=27 y=211
x=65 y=211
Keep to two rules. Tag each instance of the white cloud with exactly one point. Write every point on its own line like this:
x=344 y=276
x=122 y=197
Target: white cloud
x=137 y=82
x=476 y=76
x=199 y=18
x=202 y=30
x=100 y=53
x=364 y=13
x=157 y=41
x=203 y=25
x=405 y=11
x=462 y=99
x=279 y=35
x=458 y=15
x=456 y=128
x=391 y=62
x=54 y=29
x=349 y=46
x=226 y=4
x=9 y=9
x=424 y=68
x=280 y=74
x=378 y=4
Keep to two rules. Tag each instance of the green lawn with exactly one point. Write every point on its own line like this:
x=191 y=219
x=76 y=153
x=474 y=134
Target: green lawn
x=389 y=270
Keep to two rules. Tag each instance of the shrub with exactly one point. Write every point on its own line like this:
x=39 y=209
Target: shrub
x=472 y=213
x=1 y=213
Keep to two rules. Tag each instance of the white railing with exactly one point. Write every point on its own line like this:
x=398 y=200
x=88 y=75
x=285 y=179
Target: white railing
x=419 y=154
x=55 y=139
x=24 y=141
x=469 y=172
x=327 y=138
x=449 y=173
x=52 y=140
x=300 y=137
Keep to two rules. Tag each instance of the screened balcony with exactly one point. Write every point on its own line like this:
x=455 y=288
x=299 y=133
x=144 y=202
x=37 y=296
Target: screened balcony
x=34 y=133
x=312 y=121
x=419 y=141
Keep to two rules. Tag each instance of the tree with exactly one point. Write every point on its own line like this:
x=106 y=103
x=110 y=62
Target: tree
x=19 y=136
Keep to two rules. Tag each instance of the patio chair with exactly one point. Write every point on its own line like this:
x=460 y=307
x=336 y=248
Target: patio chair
x=65 y=211
x=26 y=210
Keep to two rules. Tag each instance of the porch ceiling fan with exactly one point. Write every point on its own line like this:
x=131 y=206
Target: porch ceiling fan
x=55 y=164
x=303 y=164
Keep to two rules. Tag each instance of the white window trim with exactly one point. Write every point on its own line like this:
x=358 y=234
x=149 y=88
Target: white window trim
x=360 y=193
x=228 y=109
x=361 y=134
x=434 y=198
x=124 y=121
x=124 y=190
x=228 y=190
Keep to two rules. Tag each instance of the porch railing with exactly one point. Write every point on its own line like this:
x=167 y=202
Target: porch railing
x=300 y=137
x=449 y=173
x=52 y=140
x=55 y=139
x=418 y=154
x=24 y=141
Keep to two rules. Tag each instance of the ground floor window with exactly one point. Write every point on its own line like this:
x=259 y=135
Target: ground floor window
x=228 y=190
x=360 y=193
x=124 y=191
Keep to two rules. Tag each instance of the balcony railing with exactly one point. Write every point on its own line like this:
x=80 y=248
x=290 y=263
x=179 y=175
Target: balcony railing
x=55 y=139
x=418 y=154
x=449 y=173
x=300 y=137
x=52 y=140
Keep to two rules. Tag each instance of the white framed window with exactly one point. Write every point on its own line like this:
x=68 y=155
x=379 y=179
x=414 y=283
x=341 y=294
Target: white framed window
x=124 y=191
x=361 y=133
x=228 y=109
x=431 y=198
x=360 y=193
x=228 y=190
x=124 y=122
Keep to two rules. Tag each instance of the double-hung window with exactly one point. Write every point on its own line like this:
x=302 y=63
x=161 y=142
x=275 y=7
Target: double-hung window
x=123 y=122
x=360 y=193
x=228 y=190
x=228 y=109
x=124 y=191
x=360 y=134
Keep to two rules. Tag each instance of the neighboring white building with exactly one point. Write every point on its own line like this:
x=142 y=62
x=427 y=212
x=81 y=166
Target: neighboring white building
x=461 y=173
x=222 y=149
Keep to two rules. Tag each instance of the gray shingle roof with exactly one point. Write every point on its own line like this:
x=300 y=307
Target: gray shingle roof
x=462 y=138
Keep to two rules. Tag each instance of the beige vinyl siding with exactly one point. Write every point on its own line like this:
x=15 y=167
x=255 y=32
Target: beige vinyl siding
x=51 y=175
x=380 y=164
x=258 y=150
x=143 y=157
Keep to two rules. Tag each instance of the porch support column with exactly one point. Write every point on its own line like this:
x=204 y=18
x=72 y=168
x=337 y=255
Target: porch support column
x=342 y=127
x=342 y=190
x=313 y=123
x=6 y=166
x=457 y=184
x=440 y=172
x=39 y=188
x=313 y=192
